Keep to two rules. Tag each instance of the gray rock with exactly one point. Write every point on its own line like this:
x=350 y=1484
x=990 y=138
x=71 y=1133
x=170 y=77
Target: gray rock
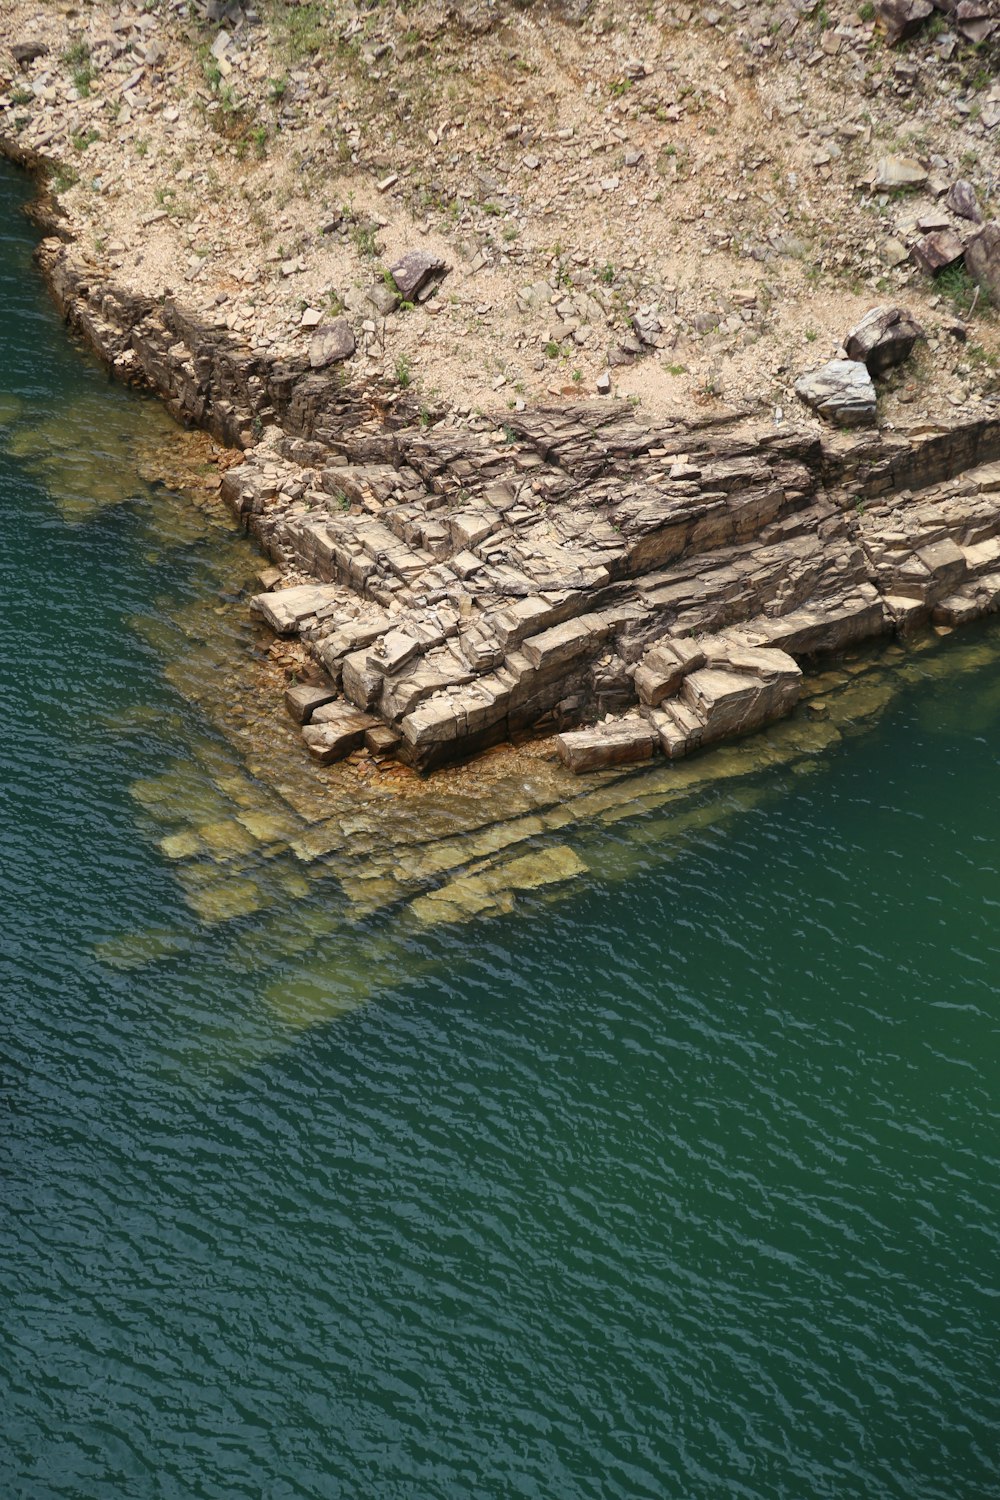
x=330 y=344
x=841 y=391
x=382 y=298
x=982 y=258
x=898 y=172
x=24 y=53
x=414 y=271
x=961 y=200
x=884 y=337
x=934 y=252
x=903 y=18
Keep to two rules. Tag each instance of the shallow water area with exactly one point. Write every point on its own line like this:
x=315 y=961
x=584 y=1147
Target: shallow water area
x=508 y=1135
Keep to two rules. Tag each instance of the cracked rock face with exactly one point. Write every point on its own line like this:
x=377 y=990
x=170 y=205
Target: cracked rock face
x=841 y=391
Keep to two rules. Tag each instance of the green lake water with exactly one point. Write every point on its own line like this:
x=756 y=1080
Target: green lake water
x=680 y=1181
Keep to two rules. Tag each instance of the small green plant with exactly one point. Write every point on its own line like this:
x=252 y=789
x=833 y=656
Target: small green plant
x=578 y=376
x=867 y=11
x=21 y=96
x=364 y=239
x=277 y=89
x=81 y=142
x=552 y=349
x=958 y=286
x=403 y=371
x=607 y=275
x=619 y=87
x=63 y=179
x=811 y=335
x=141 y=146
x=676 y=369
x=77 y=55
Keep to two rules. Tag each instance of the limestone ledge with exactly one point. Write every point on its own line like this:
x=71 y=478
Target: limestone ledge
x=632 y=589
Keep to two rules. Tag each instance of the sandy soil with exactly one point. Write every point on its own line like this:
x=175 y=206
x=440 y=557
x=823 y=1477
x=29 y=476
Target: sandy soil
x=704 y=170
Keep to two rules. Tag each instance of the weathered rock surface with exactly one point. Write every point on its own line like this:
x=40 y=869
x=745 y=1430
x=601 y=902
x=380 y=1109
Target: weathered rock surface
x=467 y=588
x=841 y=391
x=331 y=344
x=884 y=337
x=415 y=272
x=936 y=251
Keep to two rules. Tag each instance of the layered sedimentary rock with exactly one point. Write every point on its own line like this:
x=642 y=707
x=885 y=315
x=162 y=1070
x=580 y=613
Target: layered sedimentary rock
x=573 y=570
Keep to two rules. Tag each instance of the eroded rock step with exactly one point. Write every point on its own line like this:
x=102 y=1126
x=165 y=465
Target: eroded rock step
x=661 y=587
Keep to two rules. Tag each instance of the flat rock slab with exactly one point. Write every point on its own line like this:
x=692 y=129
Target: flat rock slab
x=934 y=252
x=494 y=889
x=842 y=391
x=617 y=744
x=285 y=610
x=898 y=172
x=339 y=730
x=903 y=18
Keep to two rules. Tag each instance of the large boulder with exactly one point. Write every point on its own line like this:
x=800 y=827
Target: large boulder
x=903 y=18
x=982 y=258
x=841 y=391
x=884 y=337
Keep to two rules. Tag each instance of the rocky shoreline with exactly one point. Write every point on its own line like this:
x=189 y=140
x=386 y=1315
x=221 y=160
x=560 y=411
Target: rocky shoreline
x=628 y=588
x=633 y=580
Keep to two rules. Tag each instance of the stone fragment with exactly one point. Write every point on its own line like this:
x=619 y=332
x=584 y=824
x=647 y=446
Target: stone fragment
x=982 y=258
x=303 y=699
x=841 y=391
x=616 y=744
x=961 y=199
x=330 y=344
x=414 y=271
x=884 y=337
x=381 y=740
x=382 y=298
x=898 y=172
x=935 y=252
x=342 y=730
x=903 y=18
